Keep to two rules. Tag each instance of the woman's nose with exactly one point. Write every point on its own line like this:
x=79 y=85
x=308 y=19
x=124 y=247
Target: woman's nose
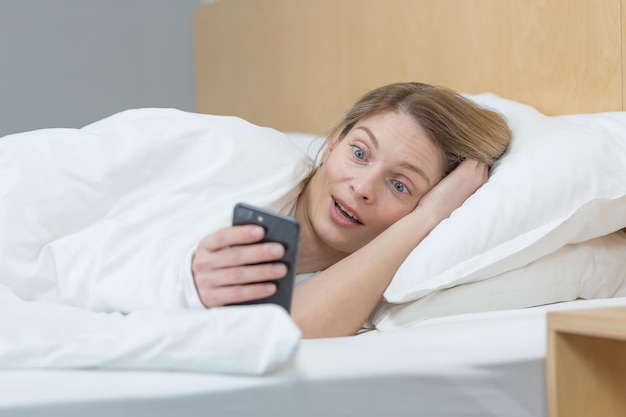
x=363 y=187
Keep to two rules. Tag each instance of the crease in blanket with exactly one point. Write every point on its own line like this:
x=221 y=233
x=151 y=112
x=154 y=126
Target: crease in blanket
x=103 y=219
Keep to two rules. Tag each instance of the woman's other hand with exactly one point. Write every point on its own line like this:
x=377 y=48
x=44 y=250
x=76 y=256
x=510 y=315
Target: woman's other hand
x=226 y=266
x=452 y=191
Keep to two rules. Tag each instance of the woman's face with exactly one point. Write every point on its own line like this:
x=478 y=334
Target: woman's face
x=372 y=178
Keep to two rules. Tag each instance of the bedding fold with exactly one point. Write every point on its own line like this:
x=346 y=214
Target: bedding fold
x=105 y=218
x=239 y=340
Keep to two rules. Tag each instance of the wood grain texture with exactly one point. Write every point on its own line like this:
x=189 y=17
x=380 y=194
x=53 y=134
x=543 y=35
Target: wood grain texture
x=586 y=363
x=605 y=322
x=297 y=65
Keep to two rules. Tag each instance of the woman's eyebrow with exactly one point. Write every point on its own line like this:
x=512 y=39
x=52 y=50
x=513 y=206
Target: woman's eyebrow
x=370 y=134
x=407 y=164
x=417 y=170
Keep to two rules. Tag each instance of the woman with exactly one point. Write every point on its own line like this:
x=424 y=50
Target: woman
x=403 y=158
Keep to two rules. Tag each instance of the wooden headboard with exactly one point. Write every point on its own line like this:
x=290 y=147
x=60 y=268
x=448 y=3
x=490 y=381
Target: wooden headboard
x=296 y=65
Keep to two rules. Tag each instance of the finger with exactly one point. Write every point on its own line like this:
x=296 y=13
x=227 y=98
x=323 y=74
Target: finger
x=248 y=274
x=481 y=173
x=471 y=171
x=232 y=235
x=238 y=255
x=236 y=294
x=455 y=188
x=469 y=165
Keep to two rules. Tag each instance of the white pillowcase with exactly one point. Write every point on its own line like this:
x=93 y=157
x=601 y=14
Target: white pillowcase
x=562 y=181
x=309 y=143
x=592 y=269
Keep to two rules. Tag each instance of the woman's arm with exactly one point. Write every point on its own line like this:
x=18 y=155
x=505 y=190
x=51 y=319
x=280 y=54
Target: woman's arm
x=339 y=300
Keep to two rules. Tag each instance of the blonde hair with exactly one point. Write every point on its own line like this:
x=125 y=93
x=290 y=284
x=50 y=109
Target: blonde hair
x=456 y=125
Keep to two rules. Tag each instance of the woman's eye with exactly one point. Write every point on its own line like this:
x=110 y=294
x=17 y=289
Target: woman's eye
x=358 y=152
x=400 y=187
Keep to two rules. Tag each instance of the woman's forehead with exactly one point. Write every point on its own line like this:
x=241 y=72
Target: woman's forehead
x=401 y=133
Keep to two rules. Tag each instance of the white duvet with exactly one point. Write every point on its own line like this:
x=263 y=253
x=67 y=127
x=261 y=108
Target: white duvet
x=97 y=229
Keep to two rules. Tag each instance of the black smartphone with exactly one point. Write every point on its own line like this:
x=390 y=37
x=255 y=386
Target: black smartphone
x=278 y=228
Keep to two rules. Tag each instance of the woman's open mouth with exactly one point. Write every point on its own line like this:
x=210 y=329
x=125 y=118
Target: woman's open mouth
x=343 y=214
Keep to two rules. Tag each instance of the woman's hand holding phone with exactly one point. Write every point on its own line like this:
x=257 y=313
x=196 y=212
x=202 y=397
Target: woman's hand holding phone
x=229 y=266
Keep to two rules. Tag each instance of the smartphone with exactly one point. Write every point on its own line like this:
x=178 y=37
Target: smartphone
x=278 y=228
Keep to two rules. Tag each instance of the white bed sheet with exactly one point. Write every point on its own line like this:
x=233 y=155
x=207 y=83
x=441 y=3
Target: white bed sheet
x=483 y=364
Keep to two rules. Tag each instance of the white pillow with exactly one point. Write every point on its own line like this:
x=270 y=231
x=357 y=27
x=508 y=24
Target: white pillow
x=310 y=143
x=591 y=269
x=562 y=181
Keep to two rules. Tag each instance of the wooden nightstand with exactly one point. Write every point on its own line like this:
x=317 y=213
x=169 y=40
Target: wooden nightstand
x=586 y=363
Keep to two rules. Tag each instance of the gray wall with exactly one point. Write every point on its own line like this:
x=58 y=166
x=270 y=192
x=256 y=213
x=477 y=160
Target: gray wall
x=66 y=63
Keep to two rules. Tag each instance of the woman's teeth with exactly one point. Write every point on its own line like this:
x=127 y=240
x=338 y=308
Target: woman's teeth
x=347 y=212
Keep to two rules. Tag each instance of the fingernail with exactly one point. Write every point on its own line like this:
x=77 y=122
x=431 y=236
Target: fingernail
x=257 y=231
x=277 y=250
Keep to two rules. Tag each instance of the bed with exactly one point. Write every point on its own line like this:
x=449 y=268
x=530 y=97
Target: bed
x=468 y=337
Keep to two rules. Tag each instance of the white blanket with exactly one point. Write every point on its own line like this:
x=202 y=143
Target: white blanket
x=104 y=219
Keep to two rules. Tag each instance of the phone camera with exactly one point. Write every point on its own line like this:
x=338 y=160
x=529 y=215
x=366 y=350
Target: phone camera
x=260 y=219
